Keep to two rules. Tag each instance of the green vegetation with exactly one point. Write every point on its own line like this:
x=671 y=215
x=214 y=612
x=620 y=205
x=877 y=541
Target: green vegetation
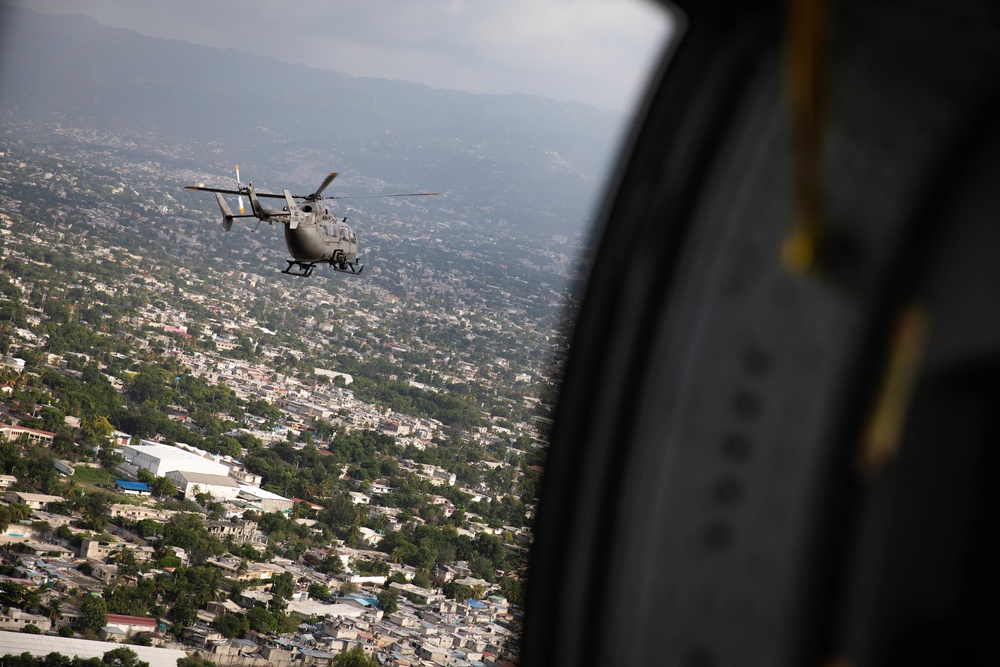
x=117 y=657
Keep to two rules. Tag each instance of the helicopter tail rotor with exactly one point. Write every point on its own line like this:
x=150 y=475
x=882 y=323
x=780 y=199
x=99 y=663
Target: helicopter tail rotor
x=239 y=186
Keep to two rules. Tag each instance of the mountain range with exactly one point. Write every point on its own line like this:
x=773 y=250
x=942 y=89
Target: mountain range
x=536 y=163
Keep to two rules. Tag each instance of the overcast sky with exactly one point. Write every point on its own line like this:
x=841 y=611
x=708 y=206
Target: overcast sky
x=594 y=51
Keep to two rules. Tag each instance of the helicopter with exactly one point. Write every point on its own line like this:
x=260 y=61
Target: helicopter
x=312 y=233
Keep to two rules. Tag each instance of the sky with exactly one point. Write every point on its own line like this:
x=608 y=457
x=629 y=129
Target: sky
x=595 y=51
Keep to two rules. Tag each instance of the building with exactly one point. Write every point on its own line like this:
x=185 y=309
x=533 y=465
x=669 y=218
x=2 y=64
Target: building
x=159 y=459
x=120 y=439
x=16 y=643
x=132 y=488
x=98 y=550
x=416 y=593
x=16 y=620
x=139 y=512
x=241 y=533
x=130 y=625
x=267 y=501
x=220 y=487
x=35 y=501
x=35 y=436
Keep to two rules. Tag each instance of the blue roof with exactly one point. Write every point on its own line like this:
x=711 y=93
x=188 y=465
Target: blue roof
x=132 y=486
x=475 y=604
x=362 y=600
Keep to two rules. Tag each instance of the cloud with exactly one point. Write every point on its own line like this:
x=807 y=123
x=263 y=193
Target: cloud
x=595 y=51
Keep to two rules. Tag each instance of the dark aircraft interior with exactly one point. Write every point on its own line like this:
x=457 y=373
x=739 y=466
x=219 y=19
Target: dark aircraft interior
x=778 y=425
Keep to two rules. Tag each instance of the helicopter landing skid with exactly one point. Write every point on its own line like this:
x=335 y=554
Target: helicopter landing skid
x=349 y=267
x=302 y=269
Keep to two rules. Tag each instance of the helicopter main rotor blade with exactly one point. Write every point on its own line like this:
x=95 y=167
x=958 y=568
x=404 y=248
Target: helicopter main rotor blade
x=316 y=195
x=234 y=192
x=406 y=194
x=205 y=189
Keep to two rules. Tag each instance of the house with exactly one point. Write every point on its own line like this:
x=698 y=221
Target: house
x=130 y=625
x=359 y=498
x=132 y=488
x=220 y=487
x=120 y=439
x=35 y=436
x=242 y=532
x=416 y=593
x=138 y=512
x=98 y=550
x=112 y=633
x=35 y=501
x=7 y=481
x=16 y=620
x=265 y=500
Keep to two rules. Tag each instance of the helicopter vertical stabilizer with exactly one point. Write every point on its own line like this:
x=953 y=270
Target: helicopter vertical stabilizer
x=255 y=206
x=227 y=214
x=295 y=214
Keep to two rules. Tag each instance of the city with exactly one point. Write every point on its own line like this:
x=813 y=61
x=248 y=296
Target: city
x=205 y=456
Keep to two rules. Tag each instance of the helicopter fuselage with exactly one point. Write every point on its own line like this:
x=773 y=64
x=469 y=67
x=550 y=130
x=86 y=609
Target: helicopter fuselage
x=320 y=237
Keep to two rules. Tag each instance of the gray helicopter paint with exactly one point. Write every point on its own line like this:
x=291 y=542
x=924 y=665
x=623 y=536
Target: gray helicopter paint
x=317 y=236
x=313 y=235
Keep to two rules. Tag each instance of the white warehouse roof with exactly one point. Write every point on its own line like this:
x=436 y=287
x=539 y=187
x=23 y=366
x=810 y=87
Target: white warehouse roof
x=160 y=459
x=16 y=643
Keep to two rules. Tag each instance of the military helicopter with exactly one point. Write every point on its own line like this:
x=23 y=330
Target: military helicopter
x=312 y=233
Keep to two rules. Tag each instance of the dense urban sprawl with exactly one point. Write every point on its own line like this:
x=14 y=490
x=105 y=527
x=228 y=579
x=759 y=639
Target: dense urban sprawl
x=204 y=455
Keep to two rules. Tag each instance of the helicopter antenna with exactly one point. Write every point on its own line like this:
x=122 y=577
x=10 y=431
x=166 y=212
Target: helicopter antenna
x=239 y=186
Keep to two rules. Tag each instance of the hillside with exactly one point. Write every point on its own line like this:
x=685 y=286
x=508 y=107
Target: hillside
x=534 y=162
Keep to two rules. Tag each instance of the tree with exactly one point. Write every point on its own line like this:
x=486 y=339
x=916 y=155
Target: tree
x=232 y=626
x=421 y=579
x=356 y=657
x=259 y=618
x=94 y=508
x=319 y=591
x=331 y=564
x=55 y=610
x=459 y=592
x=162 y=486
x=97 y=428
x=387 y=601
x=283 y=585
x=194 y=661
x=183 y=612
x=123 y=657
x=93 y=614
